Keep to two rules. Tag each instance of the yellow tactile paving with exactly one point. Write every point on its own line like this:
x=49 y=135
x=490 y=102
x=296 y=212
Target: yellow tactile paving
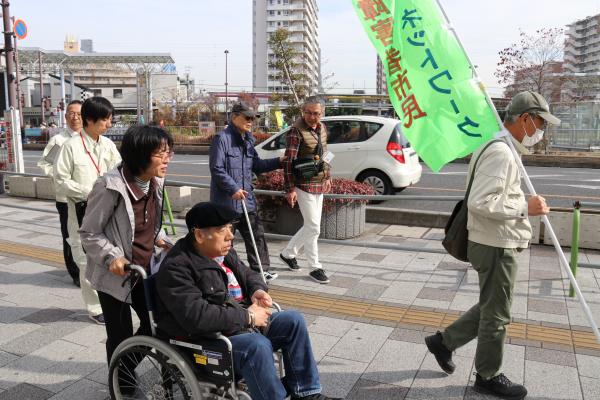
x=38 y=253
x=365 y=308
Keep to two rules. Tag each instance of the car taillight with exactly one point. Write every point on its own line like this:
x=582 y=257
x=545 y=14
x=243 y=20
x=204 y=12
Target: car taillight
x=395 y=150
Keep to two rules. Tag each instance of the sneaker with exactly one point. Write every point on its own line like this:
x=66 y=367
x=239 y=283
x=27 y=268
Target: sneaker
x=319 y=275
x=316 y=396
x=500 y=386
x=270 y=276
x=443 y=356
x=99 y=319
x=291 y=263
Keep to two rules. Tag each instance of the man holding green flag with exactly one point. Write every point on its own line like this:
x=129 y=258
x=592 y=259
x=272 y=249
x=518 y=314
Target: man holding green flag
x=446 y=115
x=499 y=228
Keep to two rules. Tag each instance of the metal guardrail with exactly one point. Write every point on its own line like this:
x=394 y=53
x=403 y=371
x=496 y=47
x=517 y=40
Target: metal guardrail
x=351 y=242
x=331 y=195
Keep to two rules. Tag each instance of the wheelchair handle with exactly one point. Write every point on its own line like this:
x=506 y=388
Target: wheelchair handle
x=136 y=269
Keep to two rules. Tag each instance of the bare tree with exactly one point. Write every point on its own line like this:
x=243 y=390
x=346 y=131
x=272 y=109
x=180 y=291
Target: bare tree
x=533 y=63
x=288 y=72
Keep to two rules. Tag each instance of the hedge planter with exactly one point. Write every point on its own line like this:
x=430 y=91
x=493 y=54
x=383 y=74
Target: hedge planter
x=338 y=221
x=342 y=218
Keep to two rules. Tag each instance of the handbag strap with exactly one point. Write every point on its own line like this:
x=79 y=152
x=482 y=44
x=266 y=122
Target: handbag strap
x=475 y=166
x=319 y=148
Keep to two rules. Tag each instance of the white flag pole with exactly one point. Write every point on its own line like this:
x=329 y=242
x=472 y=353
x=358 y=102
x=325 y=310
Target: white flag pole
x=559 y=251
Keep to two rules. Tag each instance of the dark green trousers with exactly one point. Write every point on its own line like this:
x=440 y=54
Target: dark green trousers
x=487 y=320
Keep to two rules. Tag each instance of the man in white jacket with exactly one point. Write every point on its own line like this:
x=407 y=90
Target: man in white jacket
x=498 y=228
x=46 y=163
x=82 y=159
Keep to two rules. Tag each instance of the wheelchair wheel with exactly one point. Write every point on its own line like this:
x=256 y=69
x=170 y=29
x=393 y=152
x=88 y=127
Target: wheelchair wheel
x=143 y=367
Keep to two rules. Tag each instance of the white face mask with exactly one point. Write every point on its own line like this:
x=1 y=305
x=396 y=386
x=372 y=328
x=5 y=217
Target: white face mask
x=530 y=141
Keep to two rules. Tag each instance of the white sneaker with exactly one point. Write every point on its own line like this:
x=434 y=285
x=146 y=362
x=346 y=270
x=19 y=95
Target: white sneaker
x=270 y=276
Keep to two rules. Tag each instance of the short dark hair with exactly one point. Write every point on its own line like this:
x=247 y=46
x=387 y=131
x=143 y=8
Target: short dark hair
x=96 y=108
x=74 y=102
x=138 y=144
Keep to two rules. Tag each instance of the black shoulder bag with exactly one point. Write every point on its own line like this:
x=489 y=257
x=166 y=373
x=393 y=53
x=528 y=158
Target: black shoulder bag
x=307 y=168
x=457 y=235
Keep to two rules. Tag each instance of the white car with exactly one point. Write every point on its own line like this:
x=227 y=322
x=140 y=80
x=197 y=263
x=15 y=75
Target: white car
x=367 y=149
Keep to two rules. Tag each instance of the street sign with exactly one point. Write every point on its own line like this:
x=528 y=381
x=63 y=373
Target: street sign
x=20 y=29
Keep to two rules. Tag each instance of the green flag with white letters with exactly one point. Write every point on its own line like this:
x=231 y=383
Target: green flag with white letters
x=443 y=107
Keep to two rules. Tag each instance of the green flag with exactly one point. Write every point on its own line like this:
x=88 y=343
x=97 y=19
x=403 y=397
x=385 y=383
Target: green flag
x=430 y=82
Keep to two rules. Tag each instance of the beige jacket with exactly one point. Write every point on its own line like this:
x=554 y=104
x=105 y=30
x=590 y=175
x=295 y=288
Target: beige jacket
x=50 y=156
x=75 y=171
x=497 y=205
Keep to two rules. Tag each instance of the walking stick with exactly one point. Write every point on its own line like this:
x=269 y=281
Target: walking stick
x=262 y=274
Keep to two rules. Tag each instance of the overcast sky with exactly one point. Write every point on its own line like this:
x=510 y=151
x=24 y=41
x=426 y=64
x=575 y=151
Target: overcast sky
x=197 y=32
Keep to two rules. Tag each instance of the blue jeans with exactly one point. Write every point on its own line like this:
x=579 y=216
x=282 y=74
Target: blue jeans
x=253 y=359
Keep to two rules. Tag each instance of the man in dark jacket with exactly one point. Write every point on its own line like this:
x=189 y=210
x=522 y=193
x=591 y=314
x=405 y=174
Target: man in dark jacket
x=202 y=287
x=232 y=161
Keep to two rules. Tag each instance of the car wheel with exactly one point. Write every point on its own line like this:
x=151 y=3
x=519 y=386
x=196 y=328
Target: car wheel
x=377 y=180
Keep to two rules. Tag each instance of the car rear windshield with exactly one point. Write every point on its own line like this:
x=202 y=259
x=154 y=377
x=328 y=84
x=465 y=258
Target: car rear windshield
x=398 y=136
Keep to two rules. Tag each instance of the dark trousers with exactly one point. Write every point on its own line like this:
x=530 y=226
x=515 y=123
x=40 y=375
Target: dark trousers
x=253 y=359
x=487 y=320
x=117 y=316
x=259 y=236
x=63 y=214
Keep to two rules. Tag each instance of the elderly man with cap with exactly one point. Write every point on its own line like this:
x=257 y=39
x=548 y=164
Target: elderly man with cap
x=202 y=287
x=233 y=160
x=498 y=228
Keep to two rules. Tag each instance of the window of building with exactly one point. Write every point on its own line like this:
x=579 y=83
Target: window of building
x=271 y=13
x=286 y=12
x=117 y=93
x=96 y=92
x=286 y=23
x=271 y=24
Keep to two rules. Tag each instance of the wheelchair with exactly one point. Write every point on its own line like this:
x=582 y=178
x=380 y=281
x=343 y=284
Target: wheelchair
x=149 y=367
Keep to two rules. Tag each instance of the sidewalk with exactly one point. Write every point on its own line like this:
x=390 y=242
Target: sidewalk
x=367 y=325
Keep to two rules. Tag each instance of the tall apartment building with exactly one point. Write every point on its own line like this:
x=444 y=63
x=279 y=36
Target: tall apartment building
x=380 y=81
x=87 y=45
x=582 y=59
x=300 y=18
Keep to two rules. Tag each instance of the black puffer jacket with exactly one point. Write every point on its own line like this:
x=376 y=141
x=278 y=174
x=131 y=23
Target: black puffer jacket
x=191 y=293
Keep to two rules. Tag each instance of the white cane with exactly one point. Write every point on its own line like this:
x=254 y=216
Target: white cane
x=262 y=274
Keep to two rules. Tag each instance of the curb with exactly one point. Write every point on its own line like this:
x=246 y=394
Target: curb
x=398 y=216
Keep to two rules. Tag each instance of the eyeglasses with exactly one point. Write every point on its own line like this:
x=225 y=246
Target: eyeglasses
x=249 y=119
x=73 y=114
x=164 y=155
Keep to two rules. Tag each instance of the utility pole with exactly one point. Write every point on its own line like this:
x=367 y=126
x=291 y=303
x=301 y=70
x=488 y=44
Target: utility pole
x=63 y=105
x=9 y=54
x=150 y=110
x=18 y=79
x=138 y=77
x=187 y=86
x=226 y=93
x=41 y=87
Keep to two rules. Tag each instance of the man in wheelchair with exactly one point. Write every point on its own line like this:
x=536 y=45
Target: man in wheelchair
x=203 y=288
